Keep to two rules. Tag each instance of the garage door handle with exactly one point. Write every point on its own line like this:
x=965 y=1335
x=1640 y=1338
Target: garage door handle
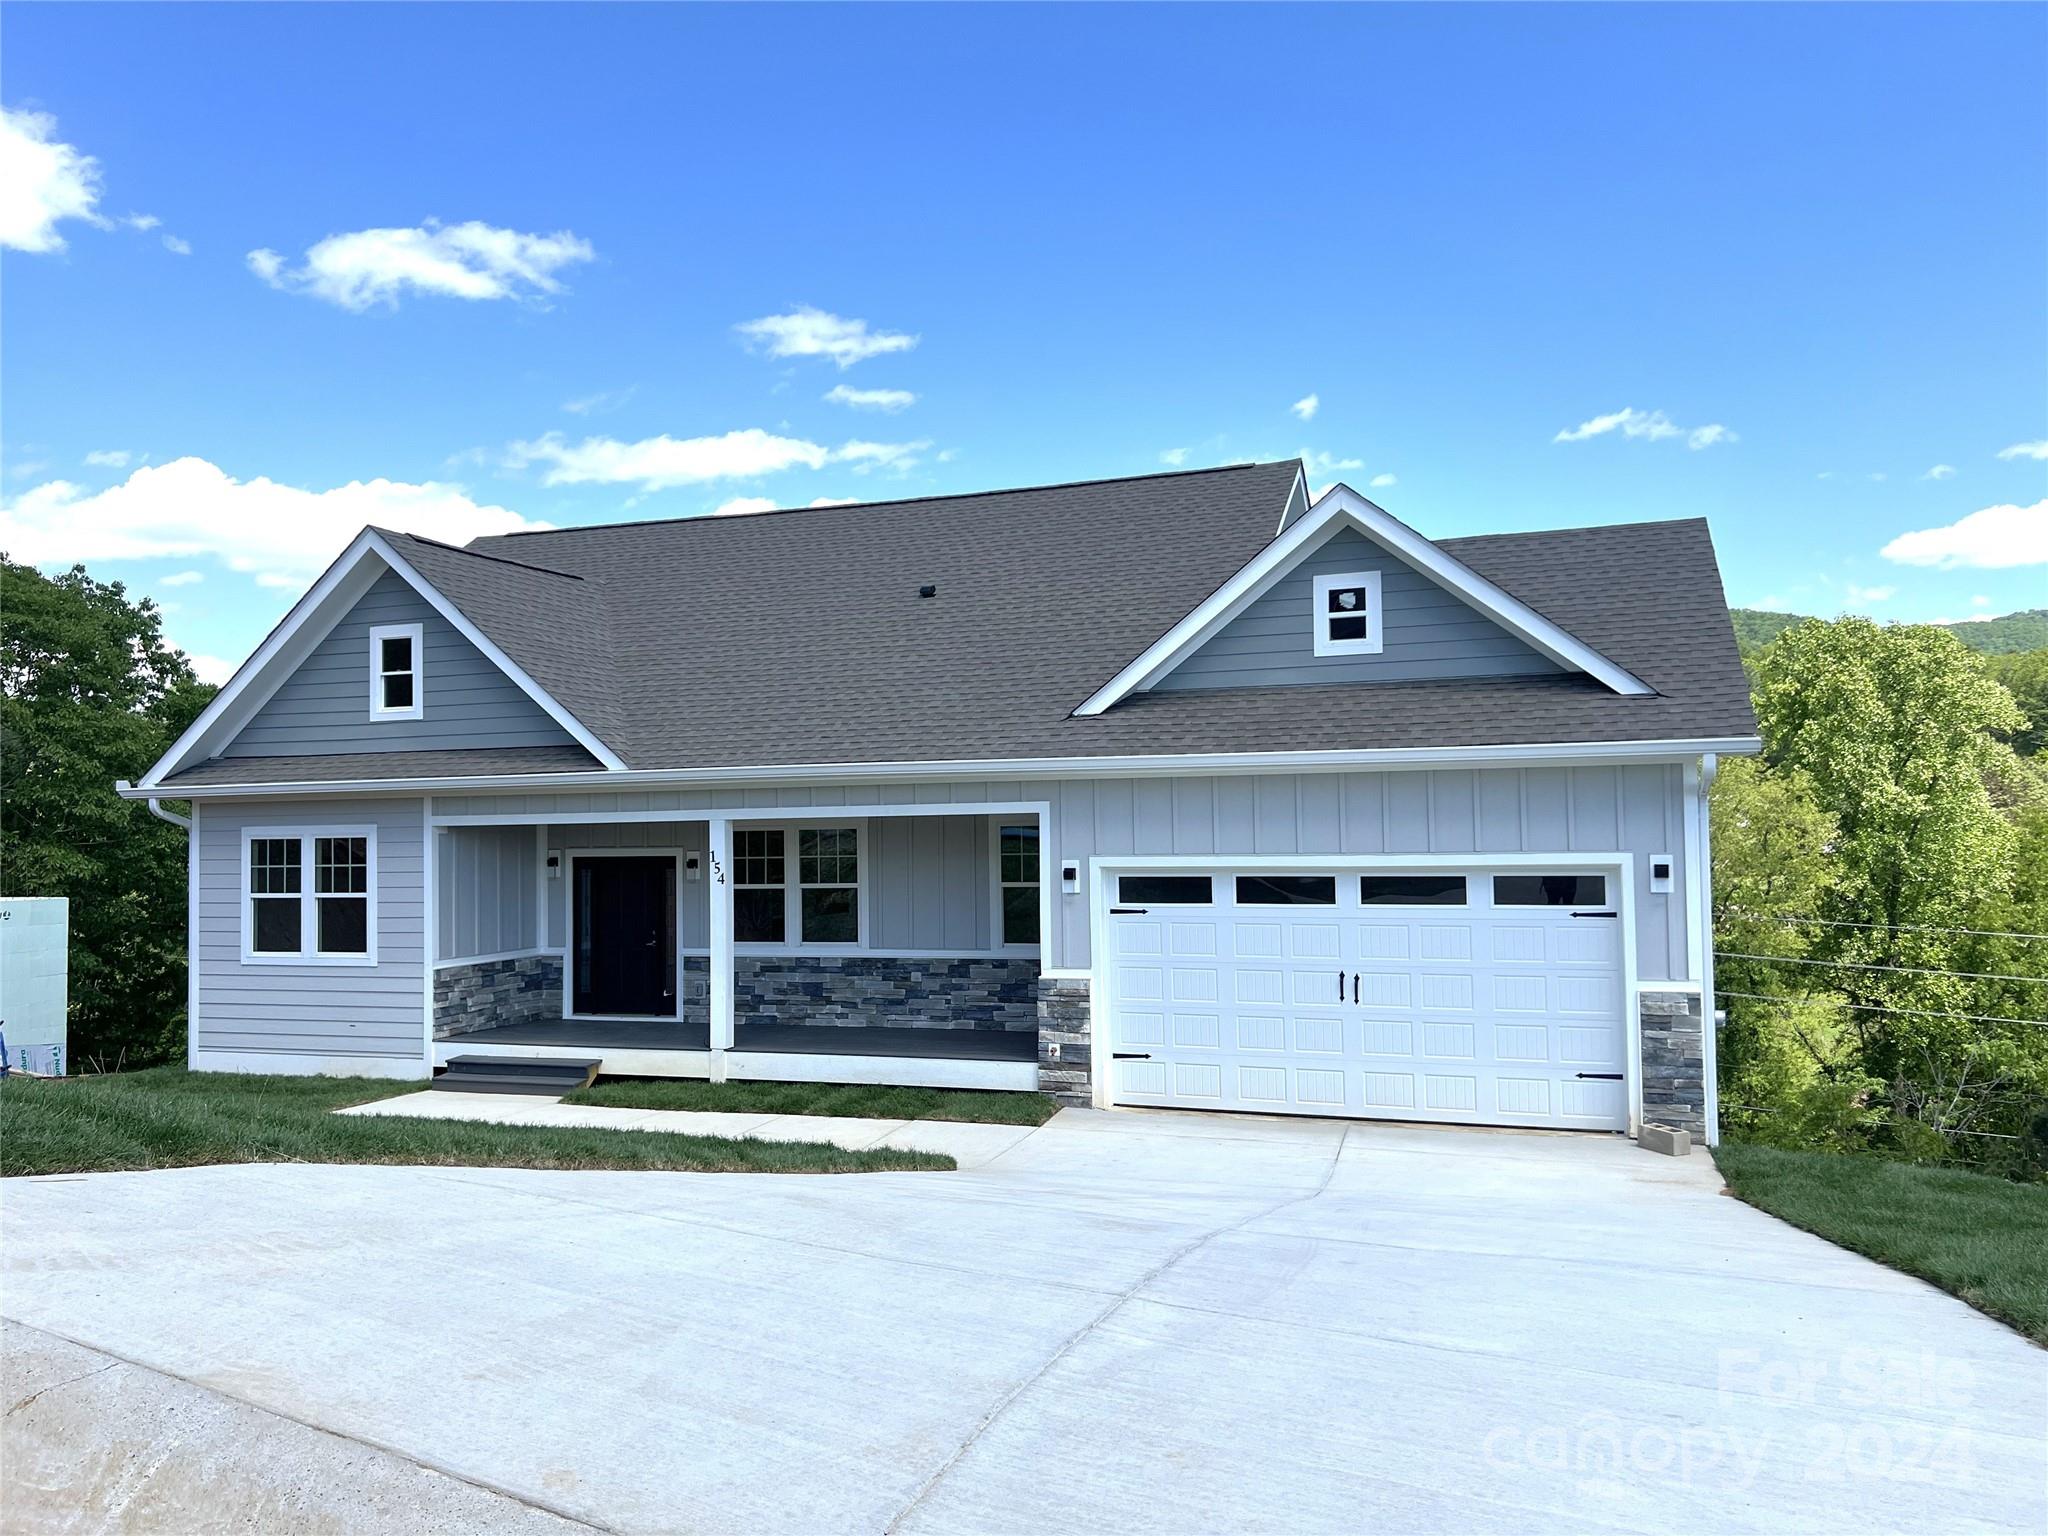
x=1130 y=1055
x=1605 y=1077
x=1596 y=914
x=1127 y=912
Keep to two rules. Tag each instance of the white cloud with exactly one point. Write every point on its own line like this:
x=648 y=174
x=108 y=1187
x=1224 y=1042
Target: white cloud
x=210 y=669
x=2038 y=449
x=1871 y=594
x=1381 y=482
x=1307 y=406
x=864 y=456
x=279 y=534
x=1940 y=472
x=1980 y=601
x=1876 y=475
x=603 y=403
x=809 y=332
x=465 y=261
x=176 y=246
x=1992 y=538
x=833 y=501
x=144 y=221
x=1328 y=463
x=42 y=182
x=181 y=578
x=654 y=463
x=109 y=458
x=1771 y=602
x=1174 y=456
x=1652 y=426
x=741 y=504
x=889 y=400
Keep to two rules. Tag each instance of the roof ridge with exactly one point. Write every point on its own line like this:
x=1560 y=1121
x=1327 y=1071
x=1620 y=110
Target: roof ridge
x=898 y=501
x=1529 y=533
x=479 y=554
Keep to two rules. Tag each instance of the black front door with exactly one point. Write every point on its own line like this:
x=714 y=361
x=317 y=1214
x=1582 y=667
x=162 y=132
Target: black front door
x=626 y=935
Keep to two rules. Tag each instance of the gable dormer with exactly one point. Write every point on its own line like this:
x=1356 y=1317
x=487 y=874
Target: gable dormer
x=393 y=675
x=1347 y=593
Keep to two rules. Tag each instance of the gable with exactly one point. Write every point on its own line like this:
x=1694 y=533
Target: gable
x=323 y=707
x=1427 y=631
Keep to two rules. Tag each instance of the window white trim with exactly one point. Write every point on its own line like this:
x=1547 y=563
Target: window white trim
x=793 y=941
x=415 y=635
x=997 y=884
x=1342 y=507
x=308 y=895
x=1375 y=637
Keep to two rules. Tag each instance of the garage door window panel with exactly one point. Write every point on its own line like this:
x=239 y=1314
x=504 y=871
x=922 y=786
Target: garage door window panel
x=1287 y=890
x=1166 y=890
x=1549 y=890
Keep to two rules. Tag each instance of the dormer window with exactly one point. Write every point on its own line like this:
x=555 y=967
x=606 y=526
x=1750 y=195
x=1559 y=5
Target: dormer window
x=1347 y=614
x=397 y=672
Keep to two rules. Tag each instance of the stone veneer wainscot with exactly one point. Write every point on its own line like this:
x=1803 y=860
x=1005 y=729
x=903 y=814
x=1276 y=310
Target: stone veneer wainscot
x=1674 y=1061
x=477 y=994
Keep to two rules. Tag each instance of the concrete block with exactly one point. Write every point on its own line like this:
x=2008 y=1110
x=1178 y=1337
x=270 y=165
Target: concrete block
x=1666 y=1139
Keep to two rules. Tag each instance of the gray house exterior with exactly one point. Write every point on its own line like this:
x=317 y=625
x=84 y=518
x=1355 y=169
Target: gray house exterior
x=1177 y=790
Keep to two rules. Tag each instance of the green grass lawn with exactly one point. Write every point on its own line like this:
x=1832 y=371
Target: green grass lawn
x=857 y=1099
x=167 y=1117
x=1977 y=1237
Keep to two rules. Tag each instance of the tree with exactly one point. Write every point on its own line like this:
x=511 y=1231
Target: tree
x=89 y=692
x=1896 y=732
x=2025 y=676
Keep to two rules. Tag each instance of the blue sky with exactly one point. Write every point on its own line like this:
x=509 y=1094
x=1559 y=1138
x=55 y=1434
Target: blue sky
x=506 y=258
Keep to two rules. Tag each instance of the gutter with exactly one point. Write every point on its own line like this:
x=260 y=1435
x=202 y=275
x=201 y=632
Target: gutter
x=156 y=808
x=1558 y=754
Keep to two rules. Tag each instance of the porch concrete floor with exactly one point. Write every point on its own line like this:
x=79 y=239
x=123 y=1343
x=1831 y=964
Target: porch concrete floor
x=969 y=1144
x=775 y=1039
x=1140 y=1322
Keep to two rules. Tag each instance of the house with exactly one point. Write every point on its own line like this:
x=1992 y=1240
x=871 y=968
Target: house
x=1176 y=790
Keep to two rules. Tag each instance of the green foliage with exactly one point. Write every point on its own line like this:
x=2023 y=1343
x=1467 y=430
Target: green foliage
x=2026 y=630
x=89 y=692
x=866 y=1101
x=1890 y=811
x=2025 y=676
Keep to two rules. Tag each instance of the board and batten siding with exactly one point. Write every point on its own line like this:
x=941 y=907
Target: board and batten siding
x=309 y=1014
x=1426 y=631
x=927 y=880
x=489 y=893
x=324 y=706
x=1636 y=808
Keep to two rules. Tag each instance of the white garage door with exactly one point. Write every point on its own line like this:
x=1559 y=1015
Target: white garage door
x=1490 y=997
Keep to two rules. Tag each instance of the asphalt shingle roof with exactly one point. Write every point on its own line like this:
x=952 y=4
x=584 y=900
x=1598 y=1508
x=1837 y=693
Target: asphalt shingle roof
x=800 y=637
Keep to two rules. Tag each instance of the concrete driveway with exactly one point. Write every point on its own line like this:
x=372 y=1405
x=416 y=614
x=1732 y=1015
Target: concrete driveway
x=1138 y=1322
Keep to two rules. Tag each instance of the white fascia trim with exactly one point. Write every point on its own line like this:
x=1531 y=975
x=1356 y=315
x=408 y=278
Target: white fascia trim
x=246 y=692
x=1507 y=755
x=476 y=637
x=1341 y=507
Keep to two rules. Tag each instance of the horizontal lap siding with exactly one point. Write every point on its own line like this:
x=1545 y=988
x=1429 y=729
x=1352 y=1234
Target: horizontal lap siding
x=324 y=707
x=1426 y=632
x=1636 y=809
x=316 y=1010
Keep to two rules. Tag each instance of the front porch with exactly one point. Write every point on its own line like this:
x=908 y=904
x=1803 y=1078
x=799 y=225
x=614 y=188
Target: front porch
x=890 y=946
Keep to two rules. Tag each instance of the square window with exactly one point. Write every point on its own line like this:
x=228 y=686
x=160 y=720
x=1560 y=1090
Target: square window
x=398 y=691
x=395 y=653
x=831 y=915
x=274 y=866
x=828 y=856
x=1347 y=600
x=758 y=915
x=1347 y=614
x=1349 y=629
x=758 y=857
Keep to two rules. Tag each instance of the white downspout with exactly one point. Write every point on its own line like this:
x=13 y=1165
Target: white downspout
x=156 y=809
x=1709 y=1036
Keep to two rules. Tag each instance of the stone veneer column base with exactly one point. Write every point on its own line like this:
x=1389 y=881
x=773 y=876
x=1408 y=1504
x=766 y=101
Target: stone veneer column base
x=476 y=994
x=1064 y=1046
x=1674 y=1061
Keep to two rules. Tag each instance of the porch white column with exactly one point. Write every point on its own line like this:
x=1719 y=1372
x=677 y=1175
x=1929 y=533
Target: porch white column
x=718 y=898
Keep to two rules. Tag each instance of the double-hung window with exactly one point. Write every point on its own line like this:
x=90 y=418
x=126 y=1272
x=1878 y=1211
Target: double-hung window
x=398 y=672
x=817 y=901
x=1017 y=883
x=310 y=896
